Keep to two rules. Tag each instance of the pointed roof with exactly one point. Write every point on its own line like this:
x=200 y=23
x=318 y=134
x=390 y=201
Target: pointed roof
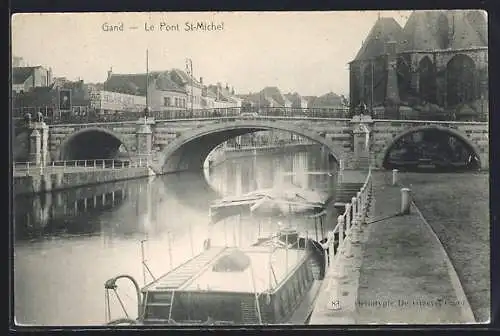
x=469 y=30
x=433 y=29
x=385 y=29
x=421 y=31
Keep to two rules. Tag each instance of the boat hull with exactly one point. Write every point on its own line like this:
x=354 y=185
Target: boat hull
x=287 y=303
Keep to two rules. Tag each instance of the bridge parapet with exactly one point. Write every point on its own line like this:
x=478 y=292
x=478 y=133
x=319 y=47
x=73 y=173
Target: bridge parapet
x=359 y=141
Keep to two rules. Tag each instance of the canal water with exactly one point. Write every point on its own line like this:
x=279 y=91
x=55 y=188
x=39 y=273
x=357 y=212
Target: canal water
x=67 y=244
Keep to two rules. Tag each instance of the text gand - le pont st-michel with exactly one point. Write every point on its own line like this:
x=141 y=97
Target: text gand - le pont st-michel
x=164 y=26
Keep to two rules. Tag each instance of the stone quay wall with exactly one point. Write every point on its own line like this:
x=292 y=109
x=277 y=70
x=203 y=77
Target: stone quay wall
x=48 y=181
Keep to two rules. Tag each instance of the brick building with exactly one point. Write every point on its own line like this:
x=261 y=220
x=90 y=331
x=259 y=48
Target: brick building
x=436 y=66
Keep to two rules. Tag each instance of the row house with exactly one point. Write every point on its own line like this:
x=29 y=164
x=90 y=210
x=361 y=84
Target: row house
x=298 y=102
x=219 y=97
x=165 y=90
x=26 y=78
x=269 y=97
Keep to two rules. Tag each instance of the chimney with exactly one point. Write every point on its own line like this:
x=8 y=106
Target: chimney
x=232 y=91
x=227 y=87
x=201 y=80
x=110 y=72
x=49 y=77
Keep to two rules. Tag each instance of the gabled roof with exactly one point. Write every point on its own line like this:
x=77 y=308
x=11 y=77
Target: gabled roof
x=135 y=84
x=274 y=93
x=221 y=93
x=164 y=82
x=422 y=31
x=182 y=78
x=385 y=29
x=478 y=20
x=330 y=99
x=21 y=74
x=431 y=30
x=209 y=93
x=468 y=30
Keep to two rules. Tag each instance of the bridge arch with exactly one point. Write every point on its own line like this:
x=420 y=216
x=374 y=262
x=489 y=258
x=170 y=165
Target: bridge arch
x=462 y=137
x=189 y=151
x=91 y=143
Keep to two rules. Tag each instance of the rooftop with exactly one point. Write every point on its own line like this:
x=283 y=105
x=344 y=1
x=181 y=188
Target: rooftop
x=21 y=74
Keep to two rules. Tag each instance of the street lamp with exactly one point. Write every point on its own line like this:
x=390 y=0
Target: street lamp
x=189 y=68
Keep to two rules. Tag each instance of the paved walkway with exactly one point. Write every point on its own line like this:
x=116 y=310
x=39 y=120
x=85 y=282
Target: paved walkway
x=399 y=274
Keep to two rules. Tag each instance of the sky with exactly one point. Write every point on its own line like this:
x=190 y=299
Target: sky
x=304 y=52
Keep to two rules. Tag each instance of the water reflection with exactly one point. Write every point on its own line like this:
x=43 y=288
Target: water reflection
x=69 y=243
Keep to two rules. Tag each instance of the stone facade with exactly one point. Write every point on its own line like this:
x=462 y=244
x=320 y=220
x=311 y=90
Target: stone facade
x=439 y=65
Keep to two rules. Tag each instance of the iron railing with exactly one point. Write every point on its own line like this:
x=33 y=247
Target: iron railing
x=210 y=113
x=348 y=230
x=94 y=116
x=72 y=165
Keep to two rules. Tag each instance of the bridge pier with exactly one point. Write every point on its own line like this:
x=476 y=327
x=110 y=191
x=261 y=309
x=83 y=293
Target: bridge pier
x=361 y=126
x=39 y=143
x=144 y=139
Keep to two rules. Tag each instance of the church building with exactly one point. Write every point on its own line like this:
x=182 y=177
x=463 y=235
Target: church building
x=435 y=67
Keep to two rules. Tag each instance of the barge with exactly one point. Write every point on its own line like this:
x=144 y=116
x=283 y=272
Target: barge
x=275 y=280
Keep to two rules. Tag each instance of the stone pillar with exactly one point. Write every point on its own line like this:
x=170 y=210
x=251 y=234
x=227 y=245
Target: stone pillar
x=35 y=147
x=361 y=128
x=415 y=81
x=392 y=90
x=39 y=143
x=45 y=143
x=144 y=138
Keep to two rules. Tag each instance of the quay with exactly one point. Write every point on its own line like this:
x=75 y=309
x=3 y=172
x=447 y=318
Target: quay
x=395 y=272
x=33 y=179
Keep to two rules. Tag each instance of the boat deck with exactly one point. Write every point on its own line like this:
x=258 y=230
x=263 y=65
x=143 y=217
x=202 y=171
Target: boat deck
x=178 y=276
x=197 y=274
x=256 y=277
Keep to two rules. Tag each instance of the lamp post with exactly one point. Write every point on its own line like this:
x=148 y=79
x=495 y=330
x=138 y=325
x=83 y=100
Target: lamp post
x=189 y=68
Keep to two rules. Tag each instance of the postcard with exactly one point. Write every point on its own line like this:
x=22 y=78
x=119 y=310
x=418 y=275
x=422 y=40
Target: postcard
x=250 y=168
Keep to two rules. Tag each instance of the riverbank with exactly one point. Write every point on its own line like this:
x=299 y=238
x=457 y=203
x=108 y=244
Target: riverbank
x=50 y=180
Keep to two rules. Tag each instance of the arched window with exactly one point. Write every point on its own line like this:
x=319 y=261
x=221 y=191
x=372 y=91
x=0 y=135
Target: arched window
x=427 y=80
x=460 y=80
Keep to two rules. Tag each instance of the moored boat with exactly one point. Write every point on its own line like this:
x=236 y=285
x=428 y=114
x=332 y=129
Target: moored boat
x=275 y=280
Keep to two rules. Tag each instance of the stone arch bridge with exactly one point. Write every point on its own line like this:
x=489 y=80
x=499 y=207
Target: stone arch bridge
x=180 y=145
